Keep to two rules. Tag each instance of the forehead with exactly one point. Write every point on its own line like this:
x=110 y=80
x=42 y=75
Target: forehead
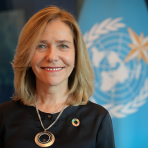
x=57 y=27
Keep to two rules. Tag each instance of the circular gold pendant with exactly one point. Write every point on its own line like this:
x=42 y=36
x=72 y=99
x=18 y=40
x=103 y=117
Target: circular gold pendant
x=44 y=139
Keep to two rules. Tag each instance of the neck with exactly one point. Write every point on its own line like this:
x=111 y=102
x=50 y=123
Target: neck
x=50 y=98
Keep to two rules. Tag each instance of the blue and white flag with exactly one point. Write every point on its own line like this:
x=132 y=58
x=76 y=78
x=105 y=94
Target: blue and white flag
x=116 y=36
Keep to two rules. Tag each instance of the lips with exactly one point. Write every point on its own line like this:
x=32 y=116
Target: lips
x=53 y=68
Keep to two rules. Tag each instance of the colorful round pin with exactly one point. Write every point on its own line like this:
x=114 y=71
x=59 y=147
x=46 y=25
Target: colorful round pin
x=75 y=122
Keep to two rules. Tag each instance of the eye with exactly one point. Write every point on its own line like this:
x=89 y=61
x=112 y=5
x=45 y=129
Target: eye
x=63 y=46
x=40 y=46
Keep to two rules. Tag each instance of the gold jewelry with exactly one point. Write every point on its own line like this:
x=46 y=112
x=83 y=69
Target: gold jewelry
x=46 y=138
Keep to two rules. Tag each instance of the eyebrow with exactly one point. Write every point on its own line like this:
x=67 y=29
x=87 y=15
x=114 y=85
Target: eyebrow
x=63 y=41
x=59 y=41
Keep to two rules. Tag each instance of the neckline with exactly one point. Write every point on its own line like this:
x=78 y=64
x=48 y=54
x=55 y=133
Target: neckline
x=67 y=111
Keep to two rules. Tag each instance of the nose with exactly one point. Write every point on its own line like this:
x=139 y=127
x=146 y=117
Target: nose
x=52 y=54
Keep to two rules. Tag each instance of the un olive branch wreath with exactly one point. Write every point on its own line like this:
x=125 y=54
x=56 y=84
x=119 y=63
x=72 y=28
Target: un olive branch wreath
x=121 y=110
x=99 y=29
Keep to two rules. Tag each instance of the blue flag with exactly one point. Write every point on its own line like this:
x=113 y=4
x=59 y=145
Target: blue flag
x=116 y=36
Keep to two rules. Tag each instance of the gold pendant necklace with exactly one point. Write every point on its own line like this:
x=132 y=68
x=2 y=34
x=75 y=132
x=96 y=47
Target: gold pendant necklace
x=46 y=138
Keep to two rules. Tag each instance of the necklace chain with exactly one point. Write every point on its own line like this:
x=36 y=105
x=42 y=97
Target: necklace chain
x=57 y=109
x=45 y=129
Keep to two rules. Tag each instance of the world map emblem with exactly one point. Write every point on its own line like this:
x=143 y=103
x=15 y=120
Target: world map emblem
x=120 y=62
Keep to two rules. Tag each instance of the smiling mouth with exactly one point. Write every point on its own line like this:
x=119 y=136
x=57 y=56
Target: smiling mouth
x=53 y=69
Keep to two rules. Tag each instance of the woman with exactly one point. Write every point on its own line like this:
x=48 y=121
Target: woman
x=53 y=81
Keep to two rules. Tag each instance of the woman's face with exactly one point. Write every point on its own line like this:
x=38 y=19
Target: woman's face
x=54 y=57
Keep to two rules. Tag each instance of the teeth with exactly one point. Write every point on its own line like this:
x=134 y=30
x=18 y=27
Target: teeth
x=52 y=68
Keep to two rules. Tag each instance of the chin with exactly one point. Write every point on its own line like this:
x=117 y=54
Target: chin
x=57 y=83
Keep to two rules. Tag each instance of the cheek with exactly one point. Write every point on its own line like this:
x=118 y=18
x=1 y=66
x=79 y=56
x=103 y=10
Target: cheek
x=34 y=64
x=70 y=59
x=35 y=59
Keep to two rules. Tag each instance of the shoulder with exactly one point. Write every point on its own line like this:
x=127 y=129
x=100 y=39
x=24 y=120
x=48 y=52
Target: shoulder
x=93 y=109
x=96 y=107
x=9 y=106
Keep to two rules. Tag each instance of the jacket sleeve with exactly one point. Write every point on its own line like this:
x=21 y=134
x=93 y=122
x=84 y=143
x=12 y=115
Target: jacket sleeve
x=105 y=135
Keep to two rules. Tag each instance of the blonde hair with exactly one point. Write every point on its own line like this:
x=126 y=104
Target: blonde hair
x=80 y=82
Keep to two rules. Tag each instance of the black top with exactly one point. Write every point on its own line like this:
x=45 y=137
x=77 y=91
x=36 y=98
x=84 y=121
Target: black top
x=19 y=125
